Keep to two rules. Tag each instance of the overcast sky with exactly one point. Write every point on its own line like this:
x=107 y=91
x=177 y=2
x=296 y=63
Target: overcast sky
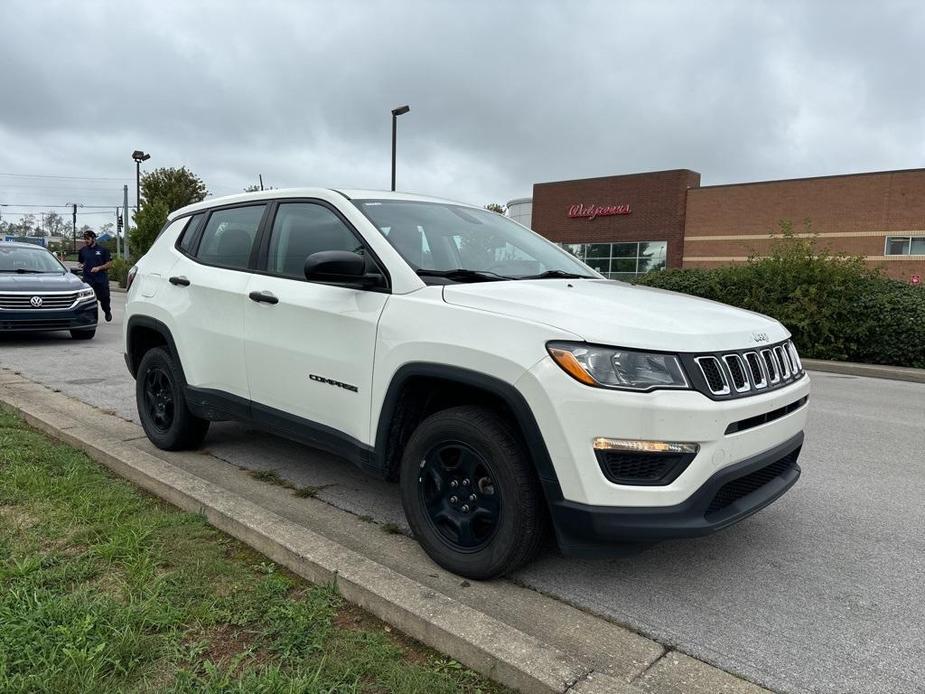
x=502 y=94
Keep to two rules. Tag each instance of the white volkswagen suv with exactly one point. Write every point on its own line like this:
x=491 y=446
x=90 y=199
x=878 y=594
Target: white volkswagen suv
x=504 y=384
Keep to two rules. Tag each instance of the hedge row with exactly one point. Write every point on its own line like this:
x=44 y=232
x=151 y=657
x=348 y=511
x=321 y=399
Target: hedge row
x=835 y=306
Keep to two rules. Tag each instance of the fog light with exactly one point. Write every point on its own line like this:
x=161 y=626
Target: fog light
x=605 y=444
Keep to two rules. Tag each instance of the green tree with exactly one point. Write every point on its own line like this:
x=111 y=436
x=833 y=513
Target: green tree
x=496 y=207
x=148 y=222
x=175 y=187
x=162 y=191
x=56 y=225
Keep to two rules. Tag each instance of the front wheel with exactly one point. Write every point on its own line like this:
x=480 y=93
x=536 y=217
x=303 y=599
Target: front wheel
x=470 y=493
x=161 y=403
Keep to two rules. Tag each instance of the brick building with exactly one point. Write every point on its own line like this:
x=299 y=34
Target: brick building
x=629 y=224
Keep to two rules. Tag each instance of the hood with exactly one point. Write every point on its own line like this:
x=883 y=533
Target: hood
x=622 y=315
x=50 y=282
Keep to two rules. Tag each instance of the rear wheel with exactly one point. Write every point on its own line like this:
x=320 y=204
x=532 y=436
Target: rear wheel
x=83 y=334
x=470 y=493
x=162 y=406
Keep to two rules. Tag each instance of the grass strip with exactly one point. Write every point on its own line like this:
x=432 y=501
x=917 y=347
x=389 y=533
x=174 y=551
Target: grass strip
x=103 y=587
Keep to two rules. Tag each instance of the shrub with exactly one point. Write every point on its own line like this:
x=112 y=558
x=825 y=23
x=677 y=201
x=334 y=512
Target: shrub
x=118 y=272
x=834 y=305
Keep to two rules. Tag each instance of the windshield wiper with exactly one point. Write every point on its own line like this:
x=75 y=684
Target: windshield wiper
x=556 y=274
x=24 y=271
x=462 y=275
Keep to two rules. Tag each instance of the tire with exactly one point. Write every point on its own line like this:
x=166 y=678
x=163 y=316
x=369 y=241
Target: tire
x=498 y=522
x=162 y=406
x=83 y=334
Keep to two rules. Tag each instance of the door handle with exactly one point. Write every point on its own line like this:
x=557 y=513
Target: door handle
x=180 y=281
x=263 y=297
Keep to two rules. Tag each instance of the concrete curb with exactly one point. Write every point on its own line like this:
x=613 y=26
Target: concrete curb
x=472 y=636
x=896 y=373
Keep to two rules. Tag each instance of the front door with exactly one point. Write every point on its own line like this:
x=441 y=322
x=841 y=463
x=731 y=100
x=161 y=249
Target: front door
x=310 y=347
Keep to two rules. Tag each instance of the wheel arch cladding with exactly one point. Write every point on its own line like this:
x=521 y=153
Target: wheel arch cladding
x=421 y=388
x=144 y=333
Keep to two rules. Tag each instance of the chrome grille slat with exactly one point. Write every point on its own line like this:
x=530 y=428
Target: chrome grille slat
x=770 y=365
x=715 y=375
x=783 y=361
x=757 y=371
x=736 y=367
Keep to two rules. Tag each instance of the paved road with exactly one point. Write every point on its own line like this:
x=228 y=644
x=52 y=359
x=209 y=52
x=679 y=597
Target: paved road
x=821 y=592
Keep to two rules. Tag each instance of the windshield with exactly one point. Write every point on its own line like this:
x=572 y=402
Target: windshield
x=440 y=238
x=28 y=260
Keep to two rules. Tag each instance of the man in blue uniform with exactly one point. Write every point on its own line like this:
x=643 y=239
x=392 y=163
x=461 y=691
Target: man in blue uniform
x=95 y=261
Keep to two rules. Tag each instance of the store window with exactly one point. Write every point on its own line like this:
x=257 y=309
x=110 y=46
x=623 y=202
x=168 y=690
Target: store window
x=905 y=245
x=621 y=261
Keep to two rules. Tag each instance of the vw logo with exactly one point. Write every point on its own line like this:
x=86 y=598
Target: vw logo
x=36 y=301
x=760 y=337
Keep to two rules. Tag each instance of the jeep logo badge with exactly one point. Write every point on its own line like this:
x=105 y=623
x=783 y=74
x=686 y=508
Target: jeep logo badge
x=36 y=301
x=760 y=337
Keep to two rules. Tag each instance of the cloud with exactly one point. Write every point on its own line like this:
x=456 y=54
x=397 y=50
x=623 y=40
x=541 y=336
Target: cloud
x=502 y=95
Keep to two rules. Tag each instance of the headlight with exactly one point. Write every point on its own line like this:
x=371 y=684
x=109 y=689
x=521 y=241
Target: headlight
x=85 y=293
x=612 y=367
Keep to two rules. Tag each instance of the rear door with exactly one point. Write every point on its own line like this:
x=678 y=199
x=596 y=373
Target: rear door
x=208 y=287
x=309 y=347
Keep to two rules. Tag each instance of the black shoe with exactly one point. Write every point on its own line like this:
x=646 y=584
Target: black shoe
x=108 y=316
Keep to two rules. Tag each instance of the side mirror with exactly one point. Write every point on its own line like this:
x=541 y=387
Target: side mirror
x=340 y=267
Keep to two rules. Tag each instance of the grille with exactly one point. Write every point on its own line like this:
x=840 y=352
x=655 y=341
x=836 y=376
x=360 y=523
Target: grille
x=742 y=373
x=732 y=491
x=623 y=467
x=23 y=302
x=713 y=372
x=754 y=368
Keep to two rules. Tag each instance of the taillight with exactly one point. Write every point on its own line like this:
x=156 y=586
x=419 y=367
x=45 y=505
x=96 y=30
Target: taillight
x=131 y=277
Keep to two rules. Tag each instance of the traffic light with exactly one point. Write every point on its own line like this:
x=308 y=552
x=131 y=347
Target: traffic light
x=118 y=223
x=75 y=215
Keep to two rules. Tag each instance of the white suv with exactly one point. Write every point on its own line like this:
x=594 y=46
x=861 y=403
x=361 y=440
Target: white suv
x=504 y=384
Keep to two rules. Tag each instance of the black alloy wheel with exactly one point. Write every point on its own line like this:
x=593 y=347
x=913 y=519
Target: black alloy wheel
x=470 y=492
x=162 y=408
x=456 y=487
x=158 y=398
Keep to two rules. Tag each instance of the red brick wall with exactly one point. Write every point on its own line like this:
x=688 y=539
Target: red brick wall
x=657 y=202
x=852 y=213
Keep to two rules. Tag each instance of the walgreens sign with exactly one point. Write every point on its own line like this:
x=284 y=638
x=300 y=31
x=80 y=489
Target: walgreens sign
x=593 y=211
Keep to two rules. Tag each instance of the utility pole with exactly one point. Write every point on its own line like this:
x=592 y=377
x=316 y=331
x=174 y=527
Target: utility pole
x=118 y=234
x=125 y=252
x=74 y=219
x=260 y=176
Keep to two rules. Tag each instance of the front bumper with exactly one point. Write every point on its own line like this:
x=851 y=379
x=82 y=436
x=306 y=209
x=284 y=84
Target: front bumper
x=84 y=316
x=730 y=495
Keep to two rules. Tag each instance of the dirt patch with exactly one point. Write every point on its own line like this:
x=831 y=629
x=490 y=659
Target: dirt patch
x=225 y=642
x=18 y=517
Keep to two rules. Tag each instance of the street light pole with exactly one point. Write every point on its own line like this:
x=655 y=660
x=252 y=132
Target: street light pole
x=396 y=112
x=139 y=157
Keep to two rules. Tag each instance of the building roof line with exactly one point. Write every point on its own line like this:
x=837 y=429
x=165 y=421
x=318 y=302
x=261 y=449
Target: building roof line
x=626 y=175
x=814 y=178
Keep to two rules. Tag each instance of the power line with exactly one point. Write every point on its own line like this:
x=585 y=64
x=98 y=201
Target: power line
x=71 y=178
x=79 y=205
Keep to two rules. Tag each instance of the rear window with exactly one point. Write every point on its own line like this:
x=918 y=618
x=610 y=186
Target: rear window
x=229 y=237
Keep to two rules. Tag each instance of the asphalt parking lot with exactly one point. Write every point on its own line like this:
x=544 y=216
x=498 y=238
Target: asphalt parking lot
x=820 y=592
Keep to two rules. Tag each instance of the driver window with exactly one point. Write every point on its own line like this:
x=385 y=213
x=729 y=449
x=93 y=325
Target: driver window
x=301 y=229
